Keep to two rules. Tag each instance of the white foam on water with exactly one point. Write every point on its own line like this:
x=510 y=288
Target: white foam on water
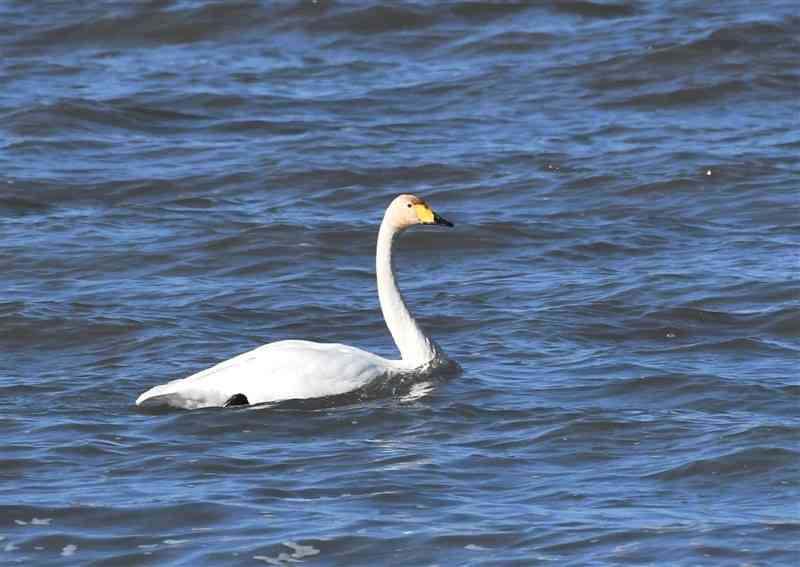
x=418 y=391
x=301 y=550
x=281 y=559
x=34 y=522
x=625 y=548
x=69 y=550
x=298 y=552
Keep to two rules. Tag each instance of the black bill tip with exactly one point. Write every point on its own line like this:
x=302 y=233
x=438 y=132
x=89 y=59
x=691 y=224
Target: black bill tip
x=441 y=220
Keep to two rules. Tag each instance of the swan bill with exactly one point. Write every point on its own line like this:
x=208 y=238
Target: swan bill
x=427 y=216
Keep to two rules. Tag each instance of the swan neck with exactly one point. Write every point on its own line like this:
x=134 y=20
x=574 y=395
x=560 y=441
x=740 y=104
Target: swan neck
x=416 y=348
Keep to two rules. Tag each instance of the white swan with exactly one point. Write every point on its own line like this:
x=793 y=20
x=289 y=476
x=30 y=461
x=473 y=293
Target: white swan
x=295 y=369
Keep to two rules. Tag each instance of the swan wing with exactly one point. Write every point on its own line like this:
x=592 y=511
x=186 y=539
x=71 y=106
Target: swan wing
x=277 y=371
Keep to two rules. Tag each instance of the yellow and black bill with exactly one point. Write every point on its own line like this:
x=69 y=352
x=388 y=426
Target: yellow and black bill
x=426 y=215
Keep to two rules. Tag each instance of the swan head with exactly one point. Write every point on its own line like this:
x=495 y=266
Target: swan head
x=408 y=210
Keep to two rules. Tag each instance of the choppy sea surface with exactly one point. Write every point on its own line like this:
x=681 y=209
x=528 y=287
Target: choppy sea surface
x=181 y=181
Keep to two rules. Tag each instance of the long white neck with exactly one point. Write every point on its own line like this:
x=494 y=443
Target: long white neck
x=415 y=347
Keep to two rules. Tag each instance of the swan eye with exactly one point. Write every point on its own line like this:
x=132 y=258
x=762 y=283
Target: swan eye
x=408 y=205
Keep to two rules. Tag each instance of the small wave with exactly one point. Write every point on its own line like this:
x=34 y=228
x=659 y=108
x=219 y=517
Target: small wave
x=662 y=188
x=595 y=9
x=749 y=36
x=19 y=206
x=719 y=330
x=695 y=392
x=25 y=329
x=148 y=24
x=266 y=127
x=591 y=427
x=743 y=463
x=508 y=42
x=783 y=322
x=372 y=20
x=737 y=345
x=606 y=248
x=487 y=10
x=696 y=315
x=770 y=433
x=684 y=96
x=656 y=385
x=81 y=116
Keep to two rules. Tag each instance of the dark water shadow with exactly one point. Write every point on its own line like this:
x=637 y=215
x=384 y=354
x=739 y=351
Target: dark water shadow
x=401 y=387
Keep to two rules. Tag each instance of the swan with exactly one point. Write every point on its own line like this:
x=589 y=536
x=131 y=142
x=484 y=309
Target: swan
x=297 y=369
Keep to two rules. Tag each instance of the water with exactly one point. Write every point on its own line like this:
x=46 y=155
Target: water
x=183 y=181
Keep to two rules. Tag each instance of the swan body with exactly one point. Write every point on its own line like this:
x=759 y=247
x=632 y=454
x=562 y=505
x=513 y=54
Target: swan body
x=283 y=370
x=297 y=369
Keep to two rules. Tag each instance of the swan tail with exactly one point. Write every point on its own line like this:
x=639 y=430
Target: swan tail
x=178 y=394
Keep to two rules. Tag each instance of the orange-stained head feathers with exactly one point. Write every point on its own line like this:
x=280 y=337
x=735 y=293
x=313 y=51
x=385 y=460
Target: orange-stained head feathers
x=408 y=210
